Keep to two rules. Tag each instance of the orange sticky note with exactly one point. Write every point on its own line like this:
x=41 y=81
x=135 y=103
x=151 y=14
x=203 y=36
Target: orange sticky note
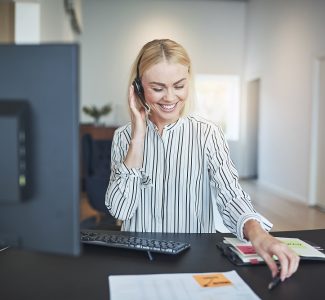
x=212 y=280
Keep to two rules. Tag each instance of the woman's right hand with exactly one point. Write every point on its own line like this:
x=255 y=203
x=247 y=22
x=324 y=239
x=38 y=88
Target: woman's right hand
x=134 y=157
x=138 y=117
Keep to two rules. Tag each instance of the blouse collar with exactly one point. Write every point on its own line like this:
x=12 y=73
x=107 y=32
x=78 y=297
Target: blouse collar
x=168 y=127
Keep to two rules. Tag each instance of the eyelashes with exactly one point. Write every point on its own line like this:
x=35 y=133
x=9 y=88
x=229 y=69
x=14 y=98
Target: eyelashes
x=178 y=87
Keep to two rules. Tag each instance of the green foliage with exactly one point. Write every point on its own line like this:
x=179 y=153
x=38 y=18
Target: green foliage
x=96 y=112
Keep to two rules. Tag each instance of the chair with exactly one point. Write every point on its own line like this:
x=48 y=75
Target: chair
x=96 y=163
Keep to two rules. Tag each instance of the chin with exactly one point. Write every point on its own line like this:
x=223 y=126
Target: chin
x=171 y=115
x=168 y=116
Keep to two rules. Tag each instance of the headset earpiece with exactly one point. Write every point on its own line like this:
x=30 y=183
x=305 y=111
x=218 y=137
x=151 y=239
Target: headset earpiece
x=138 y=88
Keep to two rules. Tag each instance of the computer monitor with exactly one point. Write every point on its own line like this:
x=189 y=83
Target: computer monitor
x=39 y=147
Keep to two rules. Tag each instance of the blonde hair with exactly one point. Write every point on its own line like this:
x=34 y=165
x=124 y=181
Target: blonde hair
x=156 y=51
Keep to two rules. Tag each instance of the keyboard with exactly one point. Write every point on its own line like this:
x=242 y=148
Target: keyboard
x=117 y=240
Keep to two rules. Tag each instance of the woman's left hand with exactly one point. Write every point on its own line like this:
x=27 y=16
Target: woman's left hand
x=267 y=246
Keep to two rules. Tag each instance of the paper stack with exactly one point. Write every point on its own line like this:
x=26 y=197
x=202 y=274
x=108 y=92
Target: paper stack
x=244 y=253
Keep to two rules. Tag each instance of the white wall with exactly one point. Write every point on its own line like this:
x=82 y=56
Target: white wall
x=43 y=21
x=55 y=22
x=284 y=37
x=27 y=22
x=114 y=31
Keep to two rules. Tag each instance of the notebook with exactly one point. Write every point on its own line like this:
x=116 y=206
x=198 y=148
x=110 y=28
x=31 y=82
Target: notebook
x=241 y=253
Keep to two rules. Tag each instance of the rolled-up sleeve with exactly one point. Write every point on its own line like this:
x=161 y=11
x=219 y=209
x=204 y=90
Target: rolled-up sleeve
x=125 y=185
x=233 y=203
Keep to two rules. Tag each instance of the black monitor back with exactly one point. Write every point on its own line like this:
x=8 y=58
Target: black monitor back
x=44 y=78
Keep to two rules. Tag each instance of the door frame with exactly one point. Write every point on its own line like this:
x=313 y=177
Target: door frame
x=252 y=120
x=315 y=131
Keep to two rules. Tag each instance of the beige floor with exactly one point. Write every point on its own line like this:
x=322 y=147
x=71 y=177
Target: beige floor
x=285 y=214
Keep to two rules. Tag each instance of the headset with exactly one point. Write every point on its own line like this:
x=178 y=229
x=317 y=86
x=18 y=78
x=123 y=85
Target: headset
x=138 y=88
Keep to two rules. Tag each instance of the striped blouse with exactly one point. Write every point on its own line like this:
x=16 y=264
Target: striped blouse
x=186 y=184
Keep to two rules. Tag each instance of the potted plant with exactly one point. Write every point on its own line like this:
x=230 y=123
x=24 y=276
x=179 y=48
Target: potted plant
x=96 y=112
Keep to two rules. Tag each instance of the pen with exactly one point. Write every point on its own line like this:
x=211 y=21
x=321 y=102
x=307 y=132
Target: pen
x=275 y=281
x=150 y=256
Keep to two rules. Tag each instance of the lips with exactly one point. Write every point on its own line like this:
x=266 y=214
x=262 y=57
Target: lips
x=168 y=107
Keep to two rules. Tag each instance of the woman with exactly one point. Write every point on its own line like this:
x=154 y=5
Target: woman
x=171 y=172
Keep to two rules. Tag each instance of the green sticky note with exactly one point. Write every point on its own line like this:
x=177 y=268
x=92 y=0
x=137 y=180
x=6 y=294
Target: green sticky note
x=293 y=243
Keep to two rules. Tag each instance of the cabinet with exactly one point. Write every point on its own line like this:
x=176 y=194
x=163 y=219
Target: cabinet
x=97 y=132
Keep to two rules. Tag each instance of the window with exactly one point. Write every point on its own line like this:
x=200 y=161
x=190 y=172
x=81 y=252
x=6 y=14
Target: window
x=218 y=101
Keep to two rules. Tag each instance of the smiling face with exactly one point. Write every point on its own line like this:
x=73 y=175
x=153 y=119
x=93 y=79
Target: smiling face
x=166 y=87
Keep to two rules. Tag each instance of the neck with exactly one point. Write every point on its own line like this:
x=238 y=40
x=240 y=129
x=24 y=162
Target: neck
x=160 y=124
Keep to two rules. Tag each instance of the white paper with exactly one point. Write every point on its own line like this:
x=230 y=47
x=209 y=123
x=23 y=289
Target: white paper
x=302 y=248
x=176 y=287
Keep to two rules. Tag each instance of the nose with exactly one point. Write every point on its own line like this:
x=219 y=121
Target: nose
x=170 y=95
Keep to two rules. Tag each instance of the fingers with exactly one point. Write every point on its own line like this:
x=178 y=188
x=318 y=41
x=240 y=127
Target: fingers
x=132 y=102
x=271 y=264
x=288 y=259
x=135 y=109
x=268 y=247
x=138 y=116
x=283 y=259
x=293 y=262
